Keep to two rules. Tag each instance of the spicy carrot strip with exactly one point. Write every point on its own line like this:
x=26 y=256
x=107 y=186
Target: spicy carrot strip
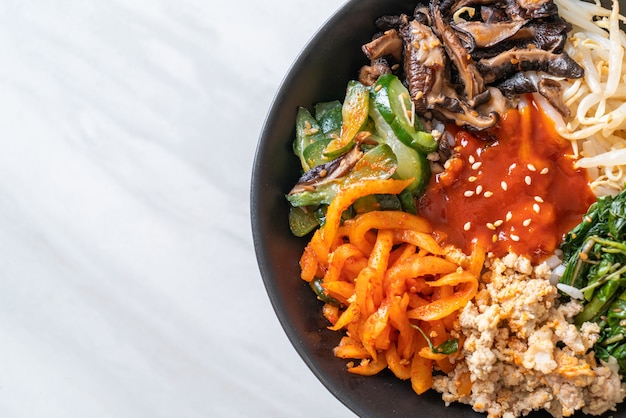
x=419 y=239
x=415 y=266
x=400 y=321
x=319 y=247
x=353 y=266
x=374 y=326
x=416 y=300
x=421 y=369
x=346 y=197
x=361 y=291
x=337 y=259
x=349 y=348
x=400 y=254
x=379 y=258
x=383 y=341
x=339 y=289
x=437 y=309
x=397 y=313
x=402 y=369
x=385 y=220
x=308 y=264
x=390 y=269
x=369 y=368
x=347 y=316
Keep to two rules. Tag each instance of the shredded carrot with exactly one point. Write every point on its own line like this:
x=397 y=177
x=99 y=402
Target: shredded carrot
x=391 y=275
x=349 y=195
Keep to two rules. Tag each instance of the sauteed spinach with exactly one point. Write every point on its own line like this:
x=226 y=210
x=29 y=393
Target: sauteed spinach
x=595 y=256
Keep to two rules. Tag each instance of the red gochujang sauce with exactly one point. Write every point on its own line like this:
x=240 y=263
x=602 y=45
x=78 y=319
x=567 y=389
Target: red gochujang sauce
x=514 y=190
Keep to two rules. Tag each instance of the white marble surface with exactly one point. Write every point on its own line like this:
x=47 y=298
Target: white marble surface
x=128 y=281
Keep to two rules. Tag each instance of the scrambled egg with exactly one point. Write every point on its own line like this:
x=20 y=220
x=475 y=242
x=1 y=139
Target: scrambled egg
x=523 y=352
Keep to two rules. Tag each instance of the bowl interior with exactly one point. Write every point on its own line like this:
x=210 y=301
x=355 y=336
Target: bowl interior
x=320 y=73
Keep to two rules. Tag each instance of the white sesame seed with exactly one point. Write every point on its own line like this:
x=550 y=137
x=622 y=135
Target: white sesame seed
x=512 y=166
x=544 y=170
x=538 y=199
x=504 y=185
x=498 y=222
x=531 y=167
x=479 y=189
x=472 y=179
x=447 y=164
x=514 y=237
x=468 y=193
x=526 y=222
x=509 y=216
x=536 y=208
x=471 y=159
x=476 y=165
x=467 y=226
x=490 y=226
x=494 y=238
x=488 y=194
x=528 y=180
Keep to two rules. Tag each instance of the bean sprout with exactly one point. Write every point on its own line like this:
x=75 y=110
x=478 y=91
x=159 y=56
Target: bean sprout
x=597 y=101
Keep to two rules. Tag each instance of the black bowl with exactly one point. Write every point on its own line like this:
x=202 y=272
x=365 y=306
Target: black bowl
x=321 y=72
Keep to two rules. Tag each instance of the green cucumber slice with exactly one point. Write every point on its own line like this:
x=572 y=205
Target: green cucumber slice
x=411 y=163
x=393 y=101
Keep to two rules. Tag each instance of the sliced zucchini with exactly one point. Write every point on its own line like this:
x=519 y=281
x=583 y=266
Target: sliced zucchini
x=328 y=114
x=411 y=163
x=393 y=101
x=302 y=221
x=314 y=153
x=308 y=131
x=353 y=116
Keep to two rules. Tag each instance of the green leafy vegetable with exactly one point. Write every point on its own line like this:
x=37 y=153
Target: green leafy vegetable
x=595 y=256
